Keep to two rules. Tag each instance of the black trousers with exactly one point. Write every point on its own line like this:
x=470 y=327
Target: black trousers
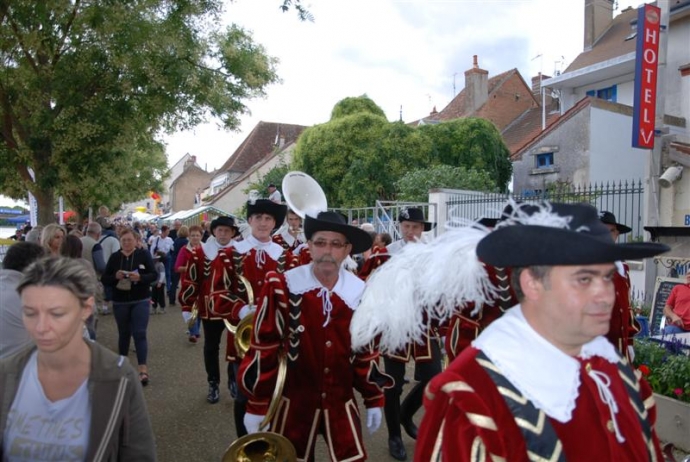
x=213 y=335
x=423 y=373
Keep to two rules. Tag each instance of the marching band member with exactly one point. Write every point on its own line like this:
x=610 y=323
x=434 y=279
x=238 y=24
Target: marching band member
x=542 y=378
x=623 y=324
x=305 y=315
x=252 y=257
x=426 y=353
x=290 y=235
x=198 y=284
x=466 y=325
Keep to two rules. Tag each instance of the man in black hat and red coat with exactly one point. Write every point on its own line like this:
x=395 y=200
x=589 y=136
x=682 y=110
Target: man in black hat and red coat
x=542 y=382
x=225 y=295
x=623 y=324
x=304 y=317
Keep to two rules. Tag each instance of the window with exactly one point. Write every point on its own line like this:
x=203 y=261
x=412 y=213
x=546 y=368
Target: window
x=608 y=94
x=544 y=160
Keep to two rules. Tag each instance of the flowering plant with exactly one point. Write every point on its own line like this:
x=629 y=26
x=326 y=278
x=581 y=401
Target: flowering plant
x=665 y=364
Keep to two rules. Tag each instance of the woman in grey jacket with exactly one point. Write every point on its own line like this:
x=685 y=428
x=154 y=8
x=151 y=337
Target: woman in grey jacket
x=65 y=398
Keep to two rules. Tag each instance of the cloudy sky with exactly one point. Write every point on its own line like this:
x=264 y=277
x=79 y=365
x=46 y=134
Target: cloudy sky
x=401 y=53
x=408 y=54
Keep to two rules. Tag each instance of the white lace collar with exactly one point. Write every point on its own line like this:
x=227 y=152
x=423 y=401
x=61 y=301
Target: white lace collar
x=349 y=287
x=546 y=376
x=211 y=248
x=272 y=249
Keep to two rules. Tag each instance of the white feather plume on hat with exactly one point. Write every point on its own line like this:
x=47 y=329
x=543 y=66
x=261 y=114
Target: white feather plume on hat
x=432 y=279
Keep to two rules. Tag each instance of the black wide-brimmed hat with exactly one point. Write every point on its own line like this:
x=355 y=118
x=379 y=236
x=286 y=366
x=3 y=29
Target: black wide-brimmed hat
x=488 y=222
x=333 y=221
x=277 y=211
x=416 y=215
x=224 y=221
x=553 y=234
x=609 y=218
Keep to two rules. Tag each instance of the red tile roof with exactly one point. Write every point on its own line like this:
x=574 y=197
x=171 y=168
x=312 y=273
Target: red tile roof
x=261 y=143
x=526 y=127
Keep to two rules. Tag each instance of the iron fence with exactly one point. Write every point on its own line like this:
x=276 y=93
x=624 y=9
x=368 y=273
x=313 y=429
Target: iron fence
x=625 y=199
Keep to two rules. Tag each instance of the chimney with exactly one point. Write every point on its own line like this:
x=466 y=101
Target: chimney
x=536 y=84
x=598 y=17
x=476 y=87
x=433 y=111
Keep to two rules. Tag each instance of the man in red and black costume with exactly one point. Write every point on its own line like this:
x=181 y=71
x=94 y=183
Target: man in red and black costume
x=623 y=324
x=290 y=235
x=542 y=382
x=304 y=317
x=227 y=298
x=426 y=353
x=199 y=282
x=468 y=323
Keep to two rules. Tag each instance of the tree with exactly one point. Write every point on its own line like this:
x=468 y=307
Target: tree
x=358 y=156
x=349 y=106
x=78 y=79
x=414 y=186
x=472 y=143
x=131 y=175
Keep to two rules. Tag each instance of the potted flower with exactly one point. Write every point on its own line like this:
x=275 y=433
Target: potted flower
x=665 y=364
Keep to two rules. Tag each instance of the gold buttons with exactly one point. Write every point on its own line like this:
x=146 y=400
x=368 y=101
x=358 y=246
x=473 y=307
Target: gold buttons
x=323 y=395
x=609 y=426
x=588 y=367
x=328 y=343
x=326 y=371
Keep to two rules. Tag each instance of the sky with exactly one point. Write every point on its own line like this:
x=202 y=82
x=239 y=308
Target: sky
x=408 y=56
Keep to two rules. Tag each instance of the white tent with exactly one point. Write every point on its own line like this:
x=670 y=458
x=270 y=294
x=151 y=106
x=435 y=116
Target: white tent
x=143 y=216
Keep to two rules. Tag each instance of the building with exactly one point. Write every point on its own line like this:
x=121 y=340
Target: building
x=186 y=189
x=591 y=142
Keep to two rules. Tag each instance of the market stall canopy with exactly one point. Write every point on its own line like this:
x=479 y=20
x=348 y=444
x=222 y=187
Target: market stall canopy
x=143 y=216
x=197 y=215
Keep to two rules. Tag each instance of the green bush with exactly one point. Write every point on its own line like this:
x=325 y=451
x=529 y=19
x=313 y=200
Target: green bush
x=665 y=364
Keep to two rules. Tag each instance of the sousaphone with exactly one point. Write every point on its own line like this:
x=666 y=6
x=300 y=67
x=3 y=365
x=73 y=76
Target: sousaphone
x=303 y=194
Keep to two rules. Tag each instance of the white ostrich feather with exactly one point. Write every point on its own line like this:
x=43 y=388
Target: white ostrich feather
x=421 y=283
x=349 y=264
x=542 y=216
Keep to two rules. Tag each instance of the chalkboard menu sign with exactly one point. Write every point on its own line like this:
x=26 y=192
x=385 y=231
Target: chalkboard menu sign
x=662 y=290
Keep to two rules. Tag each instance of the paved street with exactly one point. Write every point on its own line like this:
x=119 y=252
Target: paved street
x=187 y=428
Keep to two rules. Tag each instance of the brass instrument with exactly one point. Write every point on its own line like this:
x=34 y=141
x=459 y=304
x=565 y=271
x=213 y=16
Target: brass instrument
x=261 y=447
x=243 y=330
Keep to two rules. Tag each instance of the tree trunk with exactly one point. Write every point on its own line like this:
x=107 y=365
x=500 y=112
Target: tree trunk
x=45 y=199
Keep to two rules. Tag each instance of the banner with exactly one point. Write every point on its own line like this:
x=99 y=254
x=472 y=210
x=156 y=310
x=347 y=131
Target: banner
x=646 y=71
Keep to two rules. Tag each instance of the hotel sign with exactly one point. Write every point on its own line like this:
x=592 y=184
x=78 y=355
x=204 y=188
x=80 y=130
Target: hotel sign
x=646 y=71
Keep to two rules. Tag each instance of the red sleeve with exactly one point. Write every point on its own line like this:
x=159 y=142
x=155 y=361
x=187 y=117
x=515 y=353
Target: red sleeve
x=259 y=367
x=369 y=380
x=182 y=258
x=191 y=282
x=671 y=301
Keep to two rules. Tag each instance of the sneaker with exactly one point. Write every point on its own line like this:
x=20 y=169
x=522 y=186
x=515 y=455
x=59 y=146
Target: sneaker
x=104 y=310
x=161 y=310
x=213 y=393
x=193 y=339
x=153 y=311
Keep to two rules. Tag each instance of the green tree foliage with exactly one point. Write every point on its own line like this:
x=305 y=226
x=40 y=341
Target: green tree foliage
x=414 y=186
x=83 y=83
x=472 y=143
x=358 y=157
x=141 y=167
x=349 y=106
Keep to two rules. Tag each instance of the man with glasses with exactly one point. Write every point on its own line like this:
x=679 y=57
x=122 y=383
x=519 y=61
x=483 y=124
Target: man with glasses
x=304 y=316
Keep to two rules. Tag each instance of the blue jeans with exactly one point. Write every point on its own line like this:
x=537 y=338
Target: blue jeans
x=194 y=330
x=132 y=320
x=670 y=329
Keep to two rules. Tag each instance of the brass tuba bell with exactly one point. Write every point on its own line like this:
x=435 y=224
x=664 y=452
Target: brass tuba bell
x=261 y=447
